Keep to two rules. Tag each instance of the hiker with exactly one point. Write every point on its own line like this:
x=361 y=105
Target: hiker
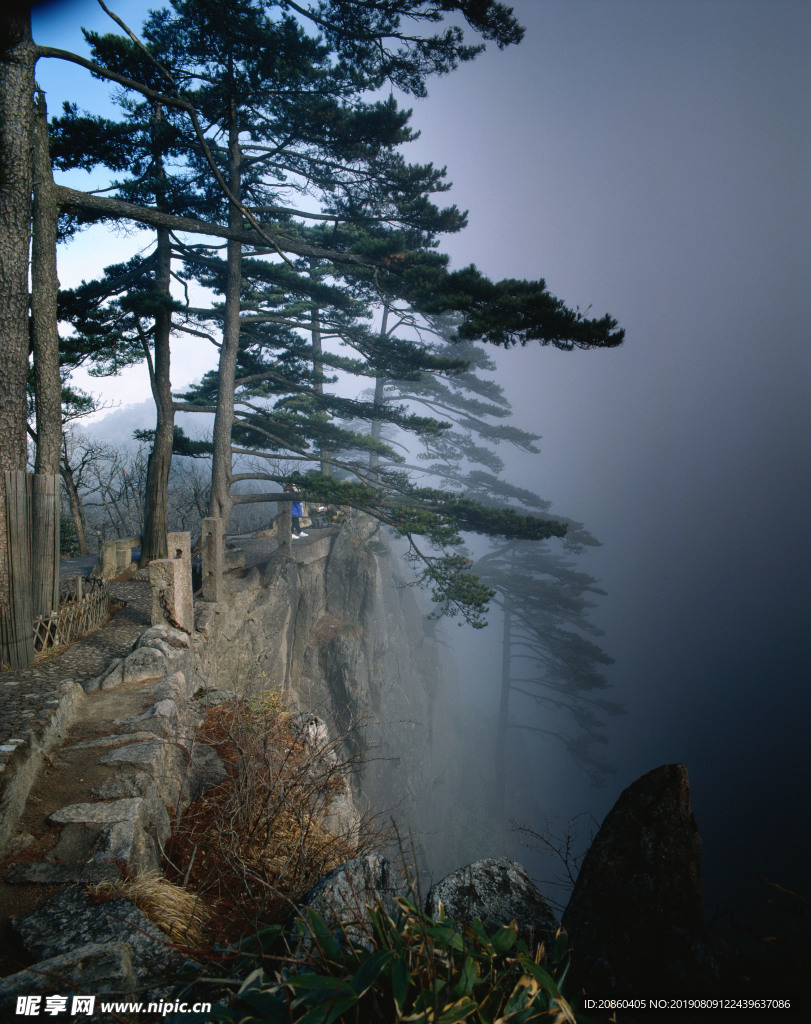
x=296 y=512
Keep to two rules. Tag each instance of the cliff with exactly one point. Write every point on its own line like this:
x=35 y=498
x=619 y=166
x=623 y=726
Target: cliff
x=331 y=625
x=337 y=629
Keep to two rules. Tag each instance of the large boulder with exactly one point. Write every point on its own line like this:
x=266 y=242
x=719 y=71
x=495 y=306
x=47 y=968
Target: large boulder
x=342 y=898
x=636 y=917
x=497 y=891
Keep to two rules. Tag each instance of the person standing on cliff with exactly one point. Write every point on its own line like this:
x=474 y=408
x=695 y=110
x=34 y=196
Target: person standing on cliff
x=296 y=512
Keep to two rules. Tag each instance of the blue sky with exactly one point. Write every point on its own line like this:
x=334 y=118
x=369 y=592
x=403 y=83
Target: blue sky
x=651 y=158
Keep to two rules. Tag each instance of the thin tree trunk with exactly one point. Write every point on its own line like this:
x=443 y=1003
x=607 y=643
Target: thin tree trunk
x=16 y=126
x=318 y=365
x=379 y=400
x=500 y=760
x=76 y=510
x=160 y=458
x=153 y=543
x=221 y=503
x=47 y=382
x=44 y=288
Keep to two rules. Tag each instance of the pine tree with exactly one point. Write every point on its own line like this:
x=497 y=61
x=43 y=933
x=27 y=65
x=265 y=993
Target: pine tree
x=549 y=653
x=139 y=148
x=266 y=114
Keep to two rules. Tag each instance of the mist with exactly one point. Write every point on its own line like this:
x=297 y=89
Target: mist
x=649 y=160
x=645 y=159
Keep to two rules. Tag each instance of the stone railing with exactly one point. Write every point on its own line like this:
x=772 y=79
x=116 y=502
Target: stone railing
x=115 y=556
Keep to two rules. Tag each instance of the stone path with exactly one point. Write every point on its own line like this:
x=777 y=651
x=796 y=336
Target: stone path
x=27 y=697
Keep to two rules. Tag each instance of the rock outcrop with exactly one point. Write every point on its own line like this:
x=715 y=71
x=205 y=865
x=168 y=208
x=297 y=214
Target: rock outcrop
x=330 y=626
x=342 y=898
x=636 y=917
x=497 y=891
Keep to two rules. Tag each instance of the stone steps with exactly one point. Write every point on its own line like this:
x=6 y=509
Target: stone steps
x=106 y=796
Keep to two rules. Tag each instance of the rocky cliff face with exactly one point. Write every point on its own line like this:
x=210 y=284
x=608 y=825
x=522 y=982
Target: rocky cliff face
x=336 y=628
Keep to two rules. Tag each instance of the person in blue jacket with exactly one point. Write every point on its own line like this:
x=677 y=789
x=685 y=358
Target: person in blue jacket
x=296 y=512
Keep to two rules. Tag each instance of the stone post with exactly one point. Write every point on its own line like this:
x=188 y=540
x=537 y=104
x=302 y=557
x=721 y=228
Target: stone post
x=170 y=579
x=178 y=546
x=213 y=545
x=109 y=559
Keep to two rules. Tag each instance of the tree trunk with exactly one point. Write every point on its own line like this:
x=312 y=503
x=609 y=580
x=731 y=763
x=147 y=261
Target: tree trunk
x=221 y=503
x=44 y=288
x=160 y=459
x=45 y=506
x=153 y=543
x=16 y=124
x=318 y=365
x=379 y=401
x=500 y=760
x=76 y=510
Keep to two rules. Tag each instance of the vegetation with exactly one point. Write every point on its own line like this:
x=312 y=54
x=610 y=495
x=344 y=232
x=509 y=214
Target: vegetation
x=256 y=842
x=407 y=967
x=245 y=853
x=261 y=133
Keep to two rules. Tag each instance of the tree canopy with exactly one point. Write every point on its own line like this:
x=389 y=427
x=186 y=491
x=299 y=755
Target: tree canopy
x=258 y=148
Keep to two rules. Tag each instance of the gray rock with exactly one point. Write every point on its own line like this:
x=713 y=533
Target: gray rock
x=636 y=916
x=131 y=784
x=205 y=770
x=124 y=831
x=172 y=643
x=342 y=896
x=112 y=740
x=92 y=685
x=312 y=731
x=152 y=756
x=44 y=873
x=126 y=843
x=213 y=698
x=19 y=843
x=497 y=891
x=102 y=813
x=78 y=841
x=71 y=920
x=162 y=719
x=341 y=816
x=164 y=761
x=142 y=665
x=175 y=638
x=97 y=967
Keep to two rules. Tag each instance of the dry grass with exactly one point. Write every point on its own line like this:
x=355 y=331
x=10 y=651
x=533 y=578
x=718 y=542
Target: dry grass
x=177 y=912
x=255 y=843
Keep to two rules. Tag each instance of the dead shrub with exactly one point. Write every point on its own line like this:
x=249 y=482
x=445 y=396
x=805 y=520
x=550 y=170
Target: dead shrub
x=257 y=842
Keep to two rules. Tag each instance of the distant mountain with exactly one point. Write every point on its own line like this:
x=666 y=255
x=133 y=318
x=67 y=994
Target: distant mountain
x=117 y=425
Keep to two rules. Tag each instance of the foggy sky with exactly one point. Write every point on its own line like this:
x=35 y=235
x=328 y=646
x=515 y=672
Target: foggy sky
x=650 y=158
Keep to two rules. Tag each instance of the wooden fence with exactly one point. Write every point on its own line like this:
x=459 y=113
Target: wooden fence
x=84 y=603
